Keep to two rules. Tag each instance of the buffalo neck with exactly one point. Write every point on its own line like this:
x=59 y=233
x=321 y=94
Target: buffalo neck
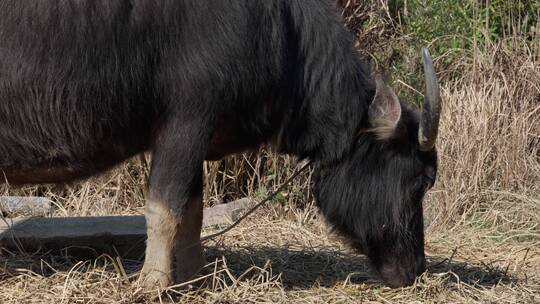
x=328 y=88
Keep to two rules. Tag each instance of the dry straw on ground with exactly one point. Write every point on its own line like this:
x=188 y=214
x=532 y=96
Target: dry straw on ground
x=483 y=216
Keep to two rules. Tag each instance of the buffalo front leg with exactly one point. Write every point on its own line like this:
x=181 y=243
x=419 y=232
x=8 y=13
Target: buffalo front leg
x=172 y=232
x=188 y=249
x=174 y=209
x=161 y=221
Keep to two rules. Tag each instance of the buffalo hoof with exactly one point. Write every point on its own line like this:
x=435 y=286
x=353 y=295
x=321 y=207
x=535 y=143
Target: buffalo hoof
x=152 y=279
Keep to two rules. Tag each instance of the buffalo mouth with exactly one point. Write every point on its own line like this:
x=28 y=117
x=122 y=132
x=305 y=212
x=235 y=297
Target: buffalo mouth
x=397 y=276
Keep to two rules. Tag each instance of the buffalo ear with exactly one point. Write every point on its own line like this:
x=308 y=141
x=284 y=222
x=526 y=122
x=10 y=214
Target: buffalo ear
x=385 y=110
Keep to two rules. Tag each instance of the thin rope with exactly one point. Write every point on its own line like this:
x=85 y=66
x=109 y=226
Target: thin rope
x=254 y=208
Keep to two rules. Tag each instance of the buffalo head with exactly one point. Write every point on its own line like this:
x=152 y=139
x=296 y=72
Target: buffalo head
x=374 y=196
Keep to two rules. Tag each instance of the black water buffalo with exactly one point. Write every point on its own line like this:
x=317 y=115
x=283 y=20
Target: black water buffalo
x=86 y=84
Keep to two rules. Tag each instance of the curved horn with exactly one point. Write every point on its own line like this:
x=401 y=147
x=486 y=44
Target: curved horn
x=429 y=123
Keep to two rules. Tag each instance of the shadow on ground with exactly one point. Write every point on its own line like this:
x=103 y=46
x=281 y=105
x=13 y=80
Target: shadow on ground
x=328 y=267
x=297 y=268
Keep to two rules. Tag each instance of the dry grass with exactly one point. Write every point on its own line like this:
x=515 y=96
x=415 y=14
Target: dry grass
x=282 y=256
x=483 y=217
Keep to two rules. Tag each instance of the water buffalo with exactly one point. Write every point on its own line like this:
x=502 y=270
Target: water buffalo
x=86 y=84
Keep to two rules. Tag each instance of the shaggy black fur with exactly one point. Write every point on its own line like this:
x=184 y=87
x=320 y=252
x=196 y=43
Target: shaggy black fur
x=374 y=198
x=86 y=84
